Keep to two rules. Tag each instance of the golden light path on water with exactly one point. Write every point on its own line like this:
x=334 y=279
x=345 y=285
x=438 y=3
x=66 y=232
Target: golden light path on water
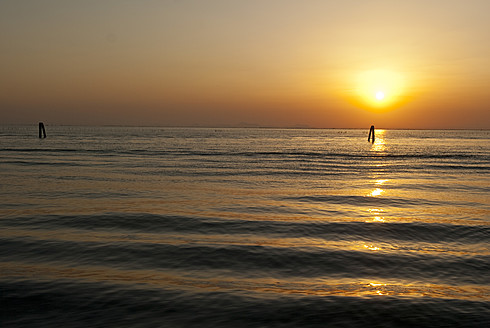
x=378 y=146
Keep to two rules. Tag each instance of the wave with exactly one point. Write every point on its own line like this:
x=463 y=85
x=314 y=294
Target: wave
x=379 y=231
x=276 y=249
x=378 y=201
x=325 y=154
x=81 y=304
x=274 y=262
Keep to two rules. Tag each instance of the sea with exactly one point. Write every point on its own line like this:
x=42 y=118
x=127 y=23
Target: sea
x=244 y=227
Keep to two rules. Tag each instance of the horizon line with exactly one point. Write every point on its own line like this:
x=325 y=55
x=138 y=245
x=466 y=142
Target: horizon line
x=251 y=126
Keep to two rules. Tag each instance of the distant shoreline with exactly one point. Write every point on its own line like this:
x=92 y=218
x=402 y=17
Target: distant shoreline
x=244 y=127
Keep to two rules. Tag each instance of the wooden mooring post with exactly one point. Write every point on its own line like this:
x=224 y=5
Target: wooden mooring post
x=371 y=131
x=42 y=131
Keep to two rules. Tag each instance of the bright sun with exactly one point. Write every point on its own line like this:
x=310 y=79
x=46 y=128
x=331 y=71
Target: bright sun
x=378 y=89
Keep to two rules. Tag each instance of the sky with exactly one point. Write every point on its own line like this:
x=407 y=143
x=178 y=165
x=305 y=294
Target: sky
x=270 y=63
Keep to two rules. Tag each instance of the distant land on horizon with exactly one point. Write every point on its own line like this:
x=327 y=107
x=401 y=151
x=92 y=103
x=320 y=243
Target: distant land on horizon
x=238 y=126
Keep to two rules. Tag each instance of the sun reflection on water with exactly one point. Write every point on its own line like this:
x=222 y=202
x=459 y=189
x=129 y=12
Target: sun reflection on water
x=379 y=143
x=376 y=214
x=376 y=192
x=379 y=146
x=372 y=248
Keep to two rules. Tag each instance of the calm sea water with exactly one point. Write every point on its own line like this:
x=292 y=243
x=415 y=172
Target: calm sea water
x=171 y=227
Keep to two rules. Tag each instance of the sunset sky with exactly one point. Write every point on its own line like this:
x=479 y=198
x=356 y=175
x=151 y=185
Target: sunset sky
x=279 y=63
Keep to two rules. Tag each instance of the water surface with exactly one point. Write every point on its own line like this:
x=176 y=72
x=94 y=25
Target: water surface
x=184 y=227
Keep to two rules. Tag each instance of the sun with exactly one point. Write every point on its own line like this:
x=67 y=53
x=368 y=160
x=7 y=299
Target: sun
x=378 y=89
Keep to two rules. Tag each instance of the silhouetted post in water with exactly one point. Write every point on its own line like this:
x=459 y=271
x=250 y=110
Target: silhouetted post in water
x=371 y=130
x=42 y=131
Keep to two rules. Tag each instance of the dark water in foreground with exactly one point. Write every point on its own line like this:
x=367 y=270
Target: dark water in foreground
x=162 y=227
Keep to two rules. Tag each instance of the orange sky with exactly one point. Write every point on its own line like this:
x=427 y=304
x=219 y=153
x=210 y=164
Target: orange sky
x=277 y=63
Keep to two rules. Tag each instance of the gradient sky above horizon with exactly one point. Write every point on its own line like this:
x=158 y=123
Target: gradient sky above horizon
x=279 y=63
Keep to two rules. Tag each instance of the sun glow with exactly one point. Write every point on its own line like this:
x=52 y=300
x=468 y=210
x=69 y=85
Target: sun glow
x=378 y=89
